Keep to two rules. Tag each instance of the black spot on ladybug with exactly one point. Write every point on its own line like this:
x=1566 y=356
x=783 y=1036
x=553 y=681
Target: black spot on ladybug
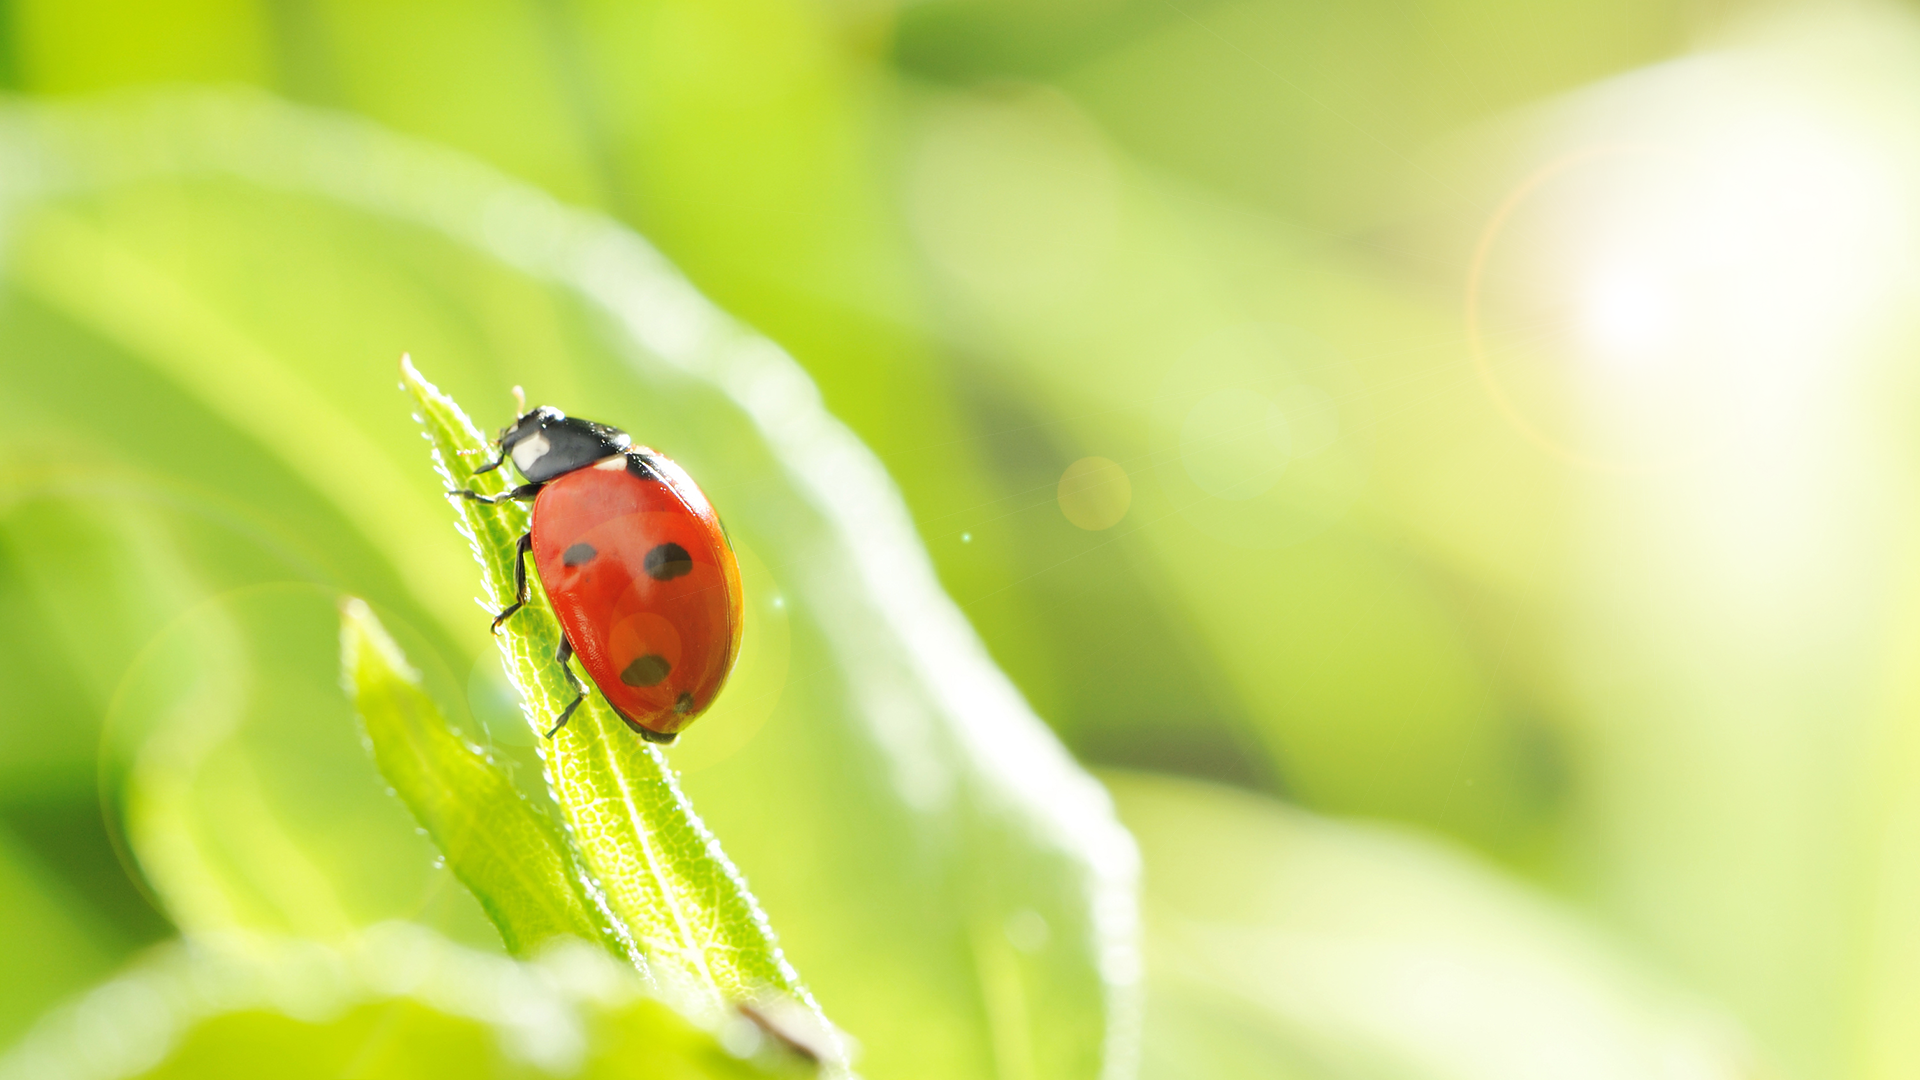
x=668 y=561
x=578 y=555
x=647 y=670
x=684 y=704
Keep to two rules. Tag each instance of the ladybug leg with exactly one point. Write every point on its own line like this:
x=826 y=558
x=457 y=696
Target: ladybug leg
x=519 y=580
x=563 y=654
x=525 y=492
x=494 y=464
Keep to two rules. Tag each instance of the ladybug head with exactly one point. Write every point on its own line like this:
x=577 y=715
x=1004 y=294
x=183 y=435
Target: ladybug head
x=546 y=443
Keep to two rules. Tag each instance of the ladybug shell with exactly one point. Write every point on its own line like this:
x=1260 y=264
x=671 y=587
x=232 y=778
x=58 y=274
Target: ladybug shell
x=645 y=584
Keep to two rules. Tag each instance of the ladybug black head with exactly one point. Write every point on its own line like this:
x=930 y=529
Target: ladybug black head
x=546 y=443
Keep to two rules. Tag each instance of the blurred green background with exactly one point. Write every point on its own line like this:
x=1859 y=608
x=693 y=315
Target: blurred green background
x=1491 y=602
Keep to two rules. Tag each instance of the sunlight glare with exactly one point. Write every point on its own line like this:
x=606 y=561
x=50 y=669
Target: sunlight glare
x=1627 y=314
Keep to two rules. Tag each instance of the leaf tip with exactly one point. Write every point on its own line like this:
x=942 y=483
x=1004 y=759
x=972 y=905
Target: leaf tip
x=363 y=639
x=412 y=381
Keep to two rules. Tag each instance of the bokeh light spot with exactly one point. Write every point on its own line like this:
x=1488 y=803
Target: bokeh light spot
x=1095 y=493
x=1235 y=444
x=1311 y=418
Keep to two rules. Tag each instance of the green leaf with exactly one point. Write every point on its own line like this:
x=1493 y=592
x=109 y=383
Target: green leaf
x=1286 y=944
x=700 y=931
x=394 y=1001
x=247 y=792
x=55 y=945
x=504 y=849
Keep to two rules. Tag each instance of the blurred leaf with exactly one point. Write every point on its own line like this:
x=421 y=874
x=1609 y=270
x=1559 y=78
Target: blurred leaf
x=85 y=582
x=1238 y=95
x=511 y=856
x=56 y=943
x=1126 y=303
x=247 y=793
x=1286 y=944
x=393 y=1002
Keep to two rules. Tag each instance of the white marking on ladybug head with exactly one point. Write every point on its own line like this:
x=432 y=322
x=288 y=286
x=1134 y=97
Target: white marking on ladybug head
x=612 y=464
x=529 y=450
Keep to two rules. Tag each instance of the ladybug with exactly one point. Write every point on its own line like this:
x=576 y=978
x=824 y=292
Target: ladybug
x=636 y=563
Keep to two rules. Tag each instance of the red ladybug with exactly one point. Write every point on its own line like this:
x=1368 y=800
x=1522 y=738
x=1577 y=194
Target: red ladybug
x=635 y=562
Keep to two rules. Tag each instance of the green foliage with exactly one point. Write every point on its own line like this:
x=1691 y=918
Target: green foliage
x=1285 y=944
x=1002 y=236
x=396 y=1003
x=895 y=805
x=497 y=842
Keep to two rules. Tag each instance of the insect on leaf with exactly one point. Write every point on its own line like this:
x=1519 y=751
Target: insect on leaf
x=702 y=935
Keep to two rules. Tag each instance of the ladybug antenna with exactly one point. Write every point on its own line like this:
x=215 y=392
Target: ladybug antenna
x=519 y=401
